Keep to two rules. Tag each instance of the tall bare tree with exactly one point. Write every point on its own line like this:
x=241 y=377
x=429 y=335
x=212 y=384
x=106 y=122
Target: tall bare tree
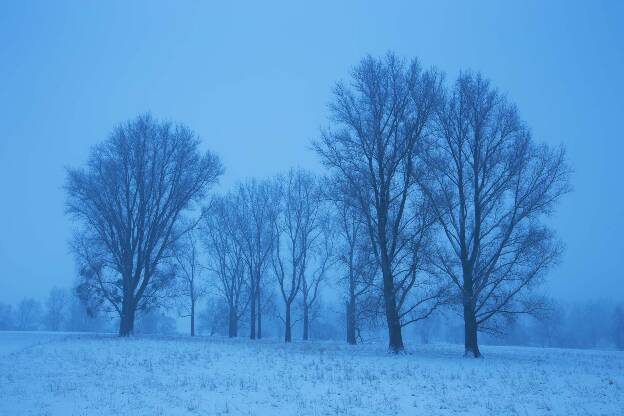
x=56 y=305
x=225 y=257
x=355 y=255
x=256 y=210
x=380 y=121
x=296 y=232
x=28 y=315
x=490 y=185
x=316 y=263
x=129 y=202
x=189 y=272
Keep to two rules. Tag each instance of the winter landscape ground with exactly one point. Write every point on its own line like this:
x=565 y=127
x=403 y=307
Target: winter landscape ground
x=78 y=374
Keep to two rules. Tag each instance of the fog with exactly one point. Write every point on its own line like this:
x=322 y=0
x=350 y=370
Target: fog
x=332 y=207
x=254 y=83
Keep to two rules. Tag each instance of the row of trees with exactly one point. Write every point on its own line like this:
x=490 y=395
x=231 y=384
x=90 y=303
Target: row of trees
x=565 y=325
x=450 y=185
x=61 y=311
x=436 y=196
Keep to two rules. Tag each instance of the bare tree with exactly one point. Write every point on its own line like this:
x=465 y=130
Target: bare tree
x=6 y=317
x=265 y=300
x=548 y=327
x=129 y=202
x=489 y=185
x=81 y=318
x=214 y=318
x=359 y=267
x=190 y=287
x=56 y=305
x=28 y=315
x=380 y=123
x=296 y=232
x=316 y=263
x=256 y=210
x=225 y=257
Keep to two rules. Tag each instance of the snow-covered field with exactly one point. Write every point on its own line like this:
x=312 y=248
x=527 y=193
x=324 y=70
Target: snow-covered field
x=71 y=374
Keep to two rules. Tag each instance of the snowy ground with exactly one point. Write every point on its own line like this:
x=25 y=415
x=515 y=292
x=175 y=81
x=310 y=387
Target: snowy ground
x=70 y=374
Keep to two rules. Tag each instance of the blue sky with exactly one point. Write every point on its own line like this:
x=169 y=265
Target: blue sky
x=254 y=79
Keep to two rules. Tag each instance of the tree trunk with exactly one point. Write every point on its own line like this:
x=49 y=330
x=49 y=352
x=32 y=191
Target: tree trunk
x=252 y=318
x=395 y=338
x=351 y=336
x=470 y=331
x=351 y=324
x=192 y=319
x=306 y=322
x=259 y=332
x=126 y=321
x=287 y=329
x=233 y=323
x=471 y=346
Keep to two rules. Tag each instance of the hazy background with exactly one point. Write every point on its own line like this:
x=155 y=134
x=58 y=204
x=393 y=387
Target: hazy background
x=254 y=79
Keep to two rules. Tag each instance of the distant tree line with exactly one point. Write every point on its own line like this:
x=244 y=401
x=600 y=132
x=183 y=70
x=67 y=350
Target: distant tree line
x=584 y=325
x=434 y=199
x=62 y=310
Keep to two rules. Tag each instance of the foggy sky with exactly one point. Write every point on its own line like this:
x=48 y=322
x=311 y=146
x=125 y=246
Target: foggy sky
x=254 y=79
